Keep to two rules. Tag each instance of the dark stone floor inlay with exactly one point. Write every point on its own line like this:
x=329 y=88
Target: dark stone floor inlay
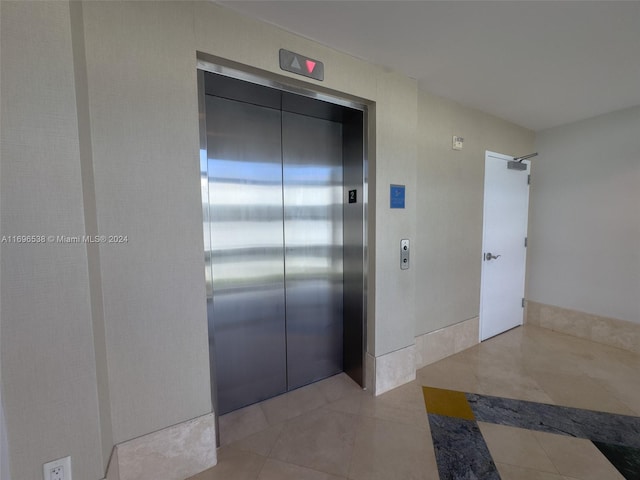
x=460 y=449
x=462 y=453
x=625 y=459
x=603 y=427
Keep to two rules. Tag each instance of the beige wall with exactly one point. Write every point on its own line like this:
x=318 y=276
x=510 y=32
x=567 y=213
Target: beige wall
x=144 y=132
x=448 y=249
x=4 y=447
x=142 y=99
x=48 y=362
x=102 y=103
x=225 y=34
x=585 y=217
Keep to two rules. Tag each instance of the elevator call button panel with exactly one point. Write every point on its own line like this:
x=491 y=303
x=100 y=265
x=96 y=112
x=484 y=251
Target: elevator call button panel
x=404 y=254
x=296 y=63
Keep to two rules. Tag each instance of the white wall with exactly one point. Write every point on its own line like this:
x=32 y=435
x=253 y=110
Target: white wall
x=585 y=217
x=448 y=248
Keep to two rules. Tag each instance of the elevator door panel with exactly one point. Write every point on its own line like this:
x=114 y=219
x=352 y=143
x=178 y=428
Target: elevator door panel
x=246 y=224
x=313 y=192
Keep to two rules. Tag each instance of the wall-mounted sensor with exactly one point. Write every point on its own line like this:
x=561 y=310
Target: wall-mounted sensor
x=457 y=142
x=404 y=254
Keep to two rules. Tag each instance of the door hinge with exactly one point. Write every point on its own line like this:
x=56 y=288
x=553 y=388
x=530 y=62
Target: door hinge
x=522 y=302
x=528 y=179
x=526 y=241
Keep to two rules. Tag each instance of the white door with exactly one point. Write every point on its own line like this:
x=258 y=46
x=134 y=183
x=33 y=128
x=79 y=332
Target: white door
x=506 y=202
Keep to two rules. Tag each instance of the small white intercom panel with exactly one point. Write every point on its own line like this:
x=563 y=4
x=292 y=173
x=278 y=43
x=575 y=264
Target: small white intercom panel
x=404 y=254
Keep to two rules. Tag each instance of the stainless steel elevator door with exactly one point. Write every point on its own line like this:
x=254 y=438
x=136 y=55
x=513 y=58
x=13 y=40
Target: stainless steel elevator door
x=247 y=322
x=313 y=193
x=275 y=174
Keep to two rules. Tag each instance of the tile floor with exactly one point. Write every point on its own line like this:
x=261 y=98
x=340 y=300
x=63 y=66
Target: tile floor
x=332 y=430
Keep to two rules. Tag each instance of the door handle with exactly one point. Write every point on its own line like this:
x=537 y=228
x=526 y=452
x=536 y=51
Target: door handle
x=488 y=256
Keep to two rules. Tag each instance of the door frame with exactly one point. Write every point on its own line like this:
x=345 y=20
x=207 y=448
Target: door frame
x=506 y=158
x=217 y=65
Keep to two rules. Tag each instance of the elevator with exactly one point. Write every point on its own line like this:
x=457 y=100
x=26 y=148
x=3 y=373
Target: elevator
x=284 y=214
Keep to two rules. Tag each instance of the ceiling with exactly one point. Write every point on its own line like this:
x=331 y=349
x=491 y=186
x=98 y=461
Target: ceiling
x=538 y=64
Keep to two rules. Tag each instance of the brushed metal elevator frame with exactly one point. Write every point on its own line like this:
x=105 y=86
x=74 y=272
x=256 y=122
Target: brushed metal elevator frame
x=220 y=66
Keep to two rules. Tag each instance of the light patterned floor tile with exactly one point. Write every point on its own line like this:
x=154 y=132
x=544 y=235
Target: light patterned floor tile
x=322 y=440
x=293 y=404
x=262 y=442
x=241 y=424
x=404 y=405
x=334 y=429
x=579 y=392
x=512 y=472
x=577 y=457
x=388 y=450
x=276 y=470
x=515 y=446
x=337 y=387
x=233 y=465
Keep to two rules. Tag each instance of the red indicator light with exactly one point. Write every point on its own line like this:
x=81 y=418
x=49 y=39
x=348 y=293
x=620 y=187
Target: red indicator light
x=310 y=65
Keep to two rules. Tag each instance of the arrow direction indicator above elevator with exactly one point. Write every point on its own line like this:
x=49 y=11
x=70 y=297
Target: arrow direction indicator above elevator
x=293 y=62
x=310 y=66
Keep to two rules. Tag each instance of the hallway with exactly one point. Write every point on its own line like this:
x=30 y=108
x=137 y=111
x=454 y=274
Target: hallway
x=332 y=430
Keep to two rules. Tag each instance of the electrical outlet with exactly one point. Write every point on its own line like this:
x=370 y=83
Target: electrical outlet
x=57 y=473
x=457 y=142
x=58 y=469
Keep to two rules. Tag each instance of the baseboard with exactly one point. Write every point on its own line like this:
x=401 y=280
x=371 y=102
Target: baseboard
x=439 y=344
x=370 y=373
x=174 y=453
x=608 y=331
x=394 y=369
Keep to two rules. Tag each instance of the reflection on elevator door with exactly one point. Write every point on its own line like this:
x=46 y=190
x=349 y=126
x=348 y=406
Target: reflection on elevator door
x=276 y=230
x=312 y=178
x=245 y=211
